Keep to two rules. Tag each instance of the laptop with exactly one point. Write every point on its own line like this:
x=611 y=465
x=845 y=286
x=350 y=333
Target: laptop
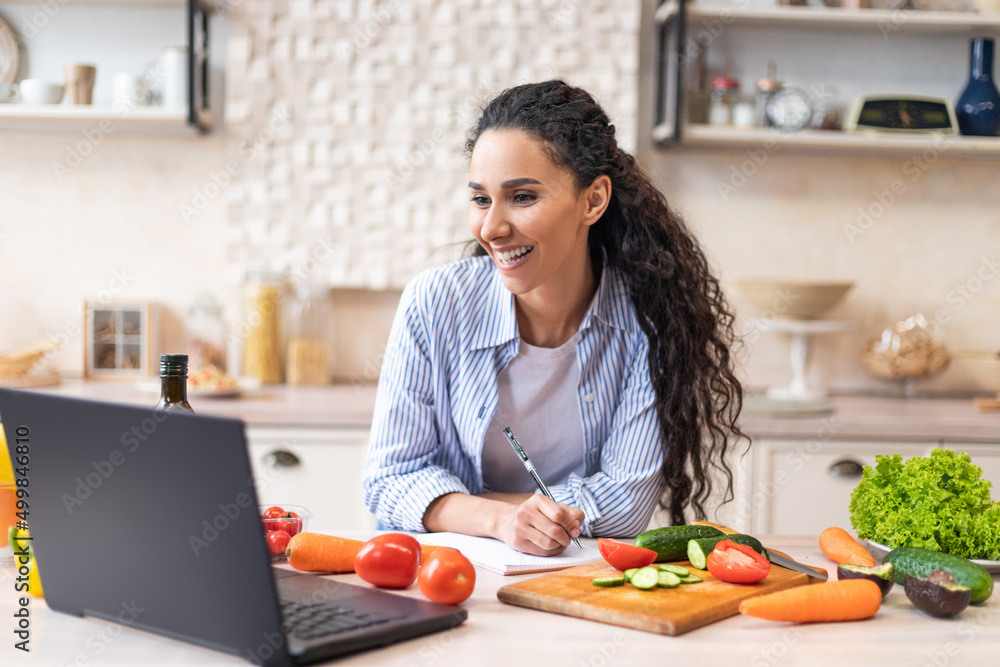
x=150 y=519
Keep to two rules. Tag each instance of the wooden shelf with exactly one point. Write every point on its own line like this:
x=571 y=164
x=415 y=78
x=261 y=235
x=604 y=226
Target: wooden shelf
x=729 y=137
x=832 y=18
x=61 y=116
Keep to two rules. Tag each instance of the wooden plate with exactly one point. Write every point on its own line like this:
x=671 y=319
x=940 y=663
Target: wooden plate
x=10 y=57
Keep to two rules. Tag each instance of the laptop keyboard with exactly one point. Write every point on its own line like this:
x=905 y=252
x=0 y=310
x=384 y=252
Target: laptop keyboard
x=322 y=619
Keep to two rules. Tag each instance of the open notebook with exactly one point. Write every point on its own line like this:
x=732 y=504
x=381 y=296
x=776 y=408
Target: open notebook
x=497 y=556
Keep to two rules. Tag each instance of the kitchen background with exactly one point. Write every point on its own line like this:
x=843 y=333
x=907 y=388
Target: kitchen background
x=341 y=160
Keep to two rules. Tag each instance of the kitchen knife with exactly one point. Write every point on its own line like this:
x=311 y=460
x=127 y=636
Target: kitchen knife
x=776 y=557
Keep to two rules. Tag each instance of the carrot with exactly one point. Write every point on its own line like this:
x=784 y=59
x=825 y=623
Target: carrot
x=315 y=552
x=847 y=600
x=838 y=545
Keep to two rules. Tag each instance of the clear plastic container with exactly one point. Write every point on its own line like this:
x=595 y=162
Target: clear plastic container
x=307 y=354
x=205 y=332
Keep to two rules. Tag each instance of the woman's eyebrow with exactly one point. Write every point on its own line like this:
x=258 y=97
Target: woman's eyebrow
x=508 y=185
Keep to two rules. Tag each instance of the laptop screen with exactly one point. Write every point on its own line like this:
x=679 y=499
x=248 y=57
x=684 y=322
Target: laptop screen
x=147 y=519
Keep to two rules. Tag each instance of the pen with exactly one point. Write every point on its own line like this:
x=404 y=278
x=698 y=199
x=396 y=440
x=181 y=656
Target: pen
x=531 y=469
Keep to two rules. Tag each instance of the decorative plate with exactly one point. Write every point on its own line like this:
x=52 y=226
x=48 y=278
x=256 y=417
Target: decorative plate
x=881 y=550
x=10 y=57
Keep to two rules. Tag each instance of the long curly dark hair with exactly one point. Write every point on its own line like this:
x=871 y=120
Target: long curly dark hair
x=679 y=303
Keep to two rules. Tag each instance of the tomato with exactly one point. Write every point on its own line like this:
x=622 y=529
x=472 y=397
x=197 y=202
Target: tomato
x=622 y=556
x=277 y=540
x=447 y=576
x=737 y=563
x=272 y=512
x=389 y=561
x=289 y=522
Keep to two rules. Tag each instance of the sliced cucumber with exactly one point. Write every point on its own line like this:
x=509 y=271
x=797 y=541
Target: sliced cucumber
x=679 y=570
x=667 y=580
x=629 y=572
x=698 y=549
x=691 y=579
x=645 y=578
x=608 y=582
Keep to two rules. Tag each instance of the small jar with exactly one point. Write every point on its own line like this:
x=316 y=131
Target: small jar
x=725 y=93
x=205 y=334
x=261 y=328
x=307 y=354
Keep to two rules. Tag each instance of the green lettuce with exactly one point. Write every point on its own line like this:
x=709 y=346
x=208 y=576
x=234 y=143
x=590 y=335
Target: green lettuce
x=939 y=502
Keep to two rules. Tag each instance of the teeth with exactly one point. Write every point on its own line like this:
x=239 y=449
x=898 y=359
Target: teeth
x=515 y=253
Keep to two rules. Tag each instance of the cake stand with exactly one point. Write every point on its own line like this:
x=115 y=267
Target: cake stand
x=800 y=351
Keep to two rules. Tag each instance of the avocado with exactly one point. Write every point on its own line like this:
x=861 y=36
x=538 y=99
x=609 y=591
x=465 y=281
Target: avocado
x=883 y=575
x=937 y=594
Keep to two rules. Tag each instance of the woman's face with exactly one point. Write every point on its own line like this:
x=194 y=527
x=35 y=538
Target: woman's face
x=527 y=212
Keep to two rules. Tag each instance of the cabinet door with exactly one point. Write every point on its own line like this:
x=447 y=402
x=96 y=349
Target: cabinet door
x=804 y=487
x=319 y=469
x=984 y=455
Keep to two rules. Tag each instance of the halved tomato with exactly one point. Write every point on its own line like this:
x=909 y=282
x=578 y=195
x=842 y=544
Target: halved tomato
x=737 y=563
x=622 y=556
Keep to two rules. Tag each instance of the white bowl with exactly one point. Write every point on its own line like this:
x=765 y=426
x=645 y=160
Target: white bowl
x=38 y=91
x=793 y=299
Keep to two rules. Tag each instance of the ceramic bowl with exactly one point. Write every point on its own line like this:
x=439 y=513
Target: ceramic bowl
x=793 y=299
x=37 y=91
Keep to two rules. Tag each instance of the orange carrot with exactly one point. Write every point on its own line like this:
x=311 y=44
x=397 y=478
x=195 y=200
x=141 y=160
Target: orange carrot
x=838 y=545
x=847 y=600
x=315 y=552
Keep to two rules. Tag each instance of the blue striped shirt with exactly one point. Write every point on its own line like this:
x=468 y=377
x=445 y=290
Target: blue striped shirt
x=454 y=332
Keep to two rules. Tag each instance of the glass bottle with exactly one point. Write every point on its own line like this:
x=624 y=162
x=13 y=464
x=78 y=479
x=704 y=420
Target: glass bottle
x=978 y=108
x=307 y=354
x=261 y=327
x=206 y=334
x=173 y=383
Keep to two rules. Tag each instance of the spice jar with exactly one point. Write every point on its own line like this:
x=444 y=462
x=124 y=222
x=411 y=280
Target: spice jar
x=307 y=358
x=261 y=328
x=205 y=333
x=725 y=93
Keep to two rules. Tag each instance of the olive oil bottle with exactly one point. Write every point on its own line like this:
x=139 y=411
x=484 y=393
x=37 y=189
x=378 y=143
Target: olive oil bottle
x=173 y=383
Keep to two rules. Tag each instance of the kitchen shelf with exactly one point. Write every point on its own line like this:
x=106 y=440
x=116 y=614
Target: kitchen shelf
x=728 y=137
x=833 y=18
x=72 y=116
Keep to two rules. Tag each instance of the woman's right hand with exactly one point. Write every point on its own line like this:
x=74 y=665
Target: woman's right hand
x=539 y=526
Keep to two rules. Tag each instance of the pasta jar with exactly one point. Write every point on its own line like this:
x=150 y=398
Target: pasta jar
x=307 y=358
x=725 y=93
x=261 y=327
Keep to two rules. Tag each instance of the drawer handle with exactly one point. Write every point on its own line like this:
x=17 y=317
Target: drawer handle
x=282 y=458
x=846 y=468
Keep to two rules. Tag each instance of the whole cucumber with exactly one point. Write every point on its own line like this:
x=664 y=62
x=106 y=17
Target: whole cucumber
x=920 y=562
x=670 y=542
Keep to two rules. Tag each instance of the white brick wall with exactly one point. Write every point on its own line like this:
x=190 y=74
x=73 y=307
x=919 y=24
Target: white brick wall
x=381 y=95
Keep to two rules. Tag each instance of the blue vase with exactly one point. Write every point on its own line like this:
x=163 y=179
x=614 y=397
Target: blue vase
x=978 y=107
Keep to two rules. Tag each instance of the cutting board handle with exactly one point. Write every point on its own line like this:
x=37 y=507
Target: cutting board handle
x=725 y=529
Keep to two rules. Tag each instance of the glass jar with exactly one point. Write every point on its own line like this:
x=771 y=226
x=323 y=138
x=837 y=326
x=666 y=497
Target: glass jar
x=307 y=354
x=725 y=94
x=261 y=329
x=205 y=333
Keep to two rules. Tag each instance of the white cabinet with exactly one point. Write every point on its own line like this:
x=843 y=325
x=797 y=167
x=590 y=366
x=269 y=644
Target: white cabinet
x=802 y=487
x=318 y=468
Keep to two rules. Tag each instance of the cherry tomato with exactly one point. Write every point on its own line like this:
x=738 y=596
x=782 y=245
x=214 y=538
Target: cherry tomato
x=623 y=556
x=737 y=563
x=272 y=512
x=447 y=576
x=289 y=522
x=389 y=561
x=277 y=540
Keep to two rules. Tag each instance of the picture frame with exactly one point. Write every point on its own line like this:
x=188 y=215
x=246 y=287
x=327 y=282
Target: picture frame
x=119 y=340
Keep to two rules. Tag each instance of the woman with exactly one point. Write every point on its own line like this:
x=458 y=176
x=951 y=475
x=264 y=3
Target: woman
x=588 y=322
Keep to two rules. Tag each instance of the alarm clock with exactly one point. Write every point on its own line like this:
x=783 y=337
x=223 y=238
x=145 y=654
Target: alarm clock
x=790 y=109
x=902 y=114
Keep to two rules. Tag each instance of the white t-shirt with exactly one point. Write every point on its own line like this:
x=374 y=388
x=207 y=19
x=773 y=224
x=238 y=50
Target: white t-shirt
x=538 y=401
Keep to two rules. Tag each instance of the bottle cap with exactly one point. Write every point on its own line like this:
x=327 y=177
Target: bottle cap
x=725 y=82
x=173 y=364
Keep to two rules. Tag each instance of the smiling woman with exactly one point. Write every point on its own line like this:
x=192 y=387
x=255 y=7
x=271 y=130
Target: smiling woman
x=588 y=322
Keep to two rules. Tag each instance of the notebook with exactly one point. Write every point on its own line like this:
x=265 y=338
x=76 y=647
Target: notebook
x=150 y=520
x=497 y=556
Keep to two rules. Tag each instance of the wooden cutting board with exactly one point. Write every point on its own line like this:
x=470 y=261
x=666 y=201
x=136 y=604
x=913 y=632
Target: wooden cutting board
x=666 y=611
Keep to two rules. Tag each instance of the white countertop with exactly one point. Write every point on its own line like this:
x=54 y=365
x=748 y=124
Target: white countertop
x=351 y=405
x=500 y=634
